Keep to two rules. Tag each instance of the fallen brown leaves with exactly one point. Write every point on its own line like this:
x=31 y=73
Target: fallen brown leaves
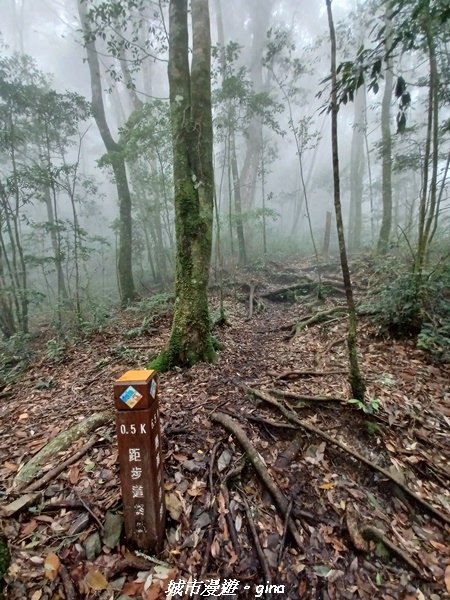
x=64 y=545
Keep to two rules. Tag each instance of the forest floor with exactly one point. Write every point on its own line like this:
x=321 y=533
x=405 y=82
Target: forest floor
x=64 y=539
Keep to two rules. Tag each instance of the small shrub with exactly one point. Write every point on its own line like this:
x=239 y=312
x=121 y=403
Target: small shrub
x=405 y=305
x=398 y=306
x=152 y=305
x=55 y=349
x=15 y=352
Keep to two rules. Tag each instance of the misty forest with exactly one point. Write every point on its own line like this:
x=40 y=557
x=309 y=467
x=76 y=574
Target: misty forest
x=224 y=299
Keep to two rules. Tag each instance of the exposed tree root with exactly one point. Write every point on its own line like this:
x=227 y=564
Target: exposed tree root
x=61 y=442
x=292 y=417
x=319 y=317
x=255 y=458
x=269 y=422
x=229 y=519
x=373 y=533
x=303 y=285
x=285 y=528
x=361 y=535
x=324 y=353
x=294 y=374
x=302 y=397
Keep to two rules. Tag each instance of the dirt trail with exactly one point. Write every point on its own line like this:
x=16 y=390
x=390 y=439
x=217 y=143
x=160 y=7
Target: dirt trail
x=409 y=433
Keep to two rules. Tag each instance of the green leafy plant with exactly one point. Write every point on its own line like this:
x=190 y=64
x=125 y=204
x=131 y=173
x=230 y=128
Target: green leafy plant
x=55 y=349
x=15 y=353
x=404 y=305
x=369 y=407
x=398 y=306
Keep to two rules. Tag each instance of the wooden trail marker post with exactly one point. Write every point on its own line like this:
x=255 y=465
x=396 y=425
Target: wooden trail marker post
x=140 y=458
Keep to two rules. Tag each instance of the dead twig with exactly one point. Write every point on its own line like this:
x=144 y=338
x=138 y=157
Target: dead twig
x=229 y=519
x=259 y=550
x=283 y=539
x=212 y=514
x=90 y=511
x=69 y=589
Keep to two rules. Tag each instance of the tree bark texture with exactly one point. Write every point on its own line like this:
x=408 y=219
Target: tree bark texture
x=190 y=104
x=386 y=147
x=428 y=199
x=125 y=261
x=357 y=170
x=261 y=12
x=355 y=378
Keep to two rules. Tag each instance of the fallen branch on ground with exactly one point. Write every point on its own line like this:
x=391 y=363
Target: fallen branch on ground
x=292 y=417
x=61 y=442
x=259 y=550
x=20 y=504
x=36 y=485
x=260 y=467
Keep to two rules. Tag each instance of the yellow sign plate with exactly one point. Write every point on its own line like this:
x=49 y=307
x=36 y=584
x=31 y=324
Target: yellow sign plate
x=137 y=375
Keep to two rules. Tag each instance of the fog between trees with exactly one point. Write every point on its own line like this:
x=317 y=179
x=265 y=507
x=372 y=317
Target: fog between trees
x=72 y=245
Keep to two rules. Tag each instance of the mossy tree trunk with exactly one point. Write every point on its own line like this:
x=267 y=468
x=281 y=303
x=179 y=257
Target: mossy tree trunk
x=355 y=378
x=117 y=161
x=192 y=137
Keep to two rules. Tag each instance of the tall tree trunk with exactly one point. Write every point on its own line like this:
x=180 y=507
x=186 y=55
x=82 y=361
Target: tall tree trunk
x=386 y=145
x=56 y=244
x=124 y=262
x=260 y=20
x=428 y=201
x=356 y=380
x=7 y=321
x=237 y=198
x=190 y=104
x=357 y=170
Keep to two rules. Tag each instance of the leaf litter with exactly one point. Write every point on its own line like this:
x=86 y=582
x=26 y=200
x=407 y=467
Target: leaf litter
x=361 y=536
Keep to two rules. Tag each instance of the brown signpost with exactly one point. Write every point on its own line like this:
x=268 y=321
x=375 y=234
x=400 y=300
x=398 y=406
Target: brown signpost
x=140 y=458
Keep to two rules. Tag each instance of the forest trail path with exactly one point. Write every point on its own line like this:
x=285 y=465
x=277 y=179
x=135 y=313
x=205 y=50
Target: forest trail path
x=409 y=433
